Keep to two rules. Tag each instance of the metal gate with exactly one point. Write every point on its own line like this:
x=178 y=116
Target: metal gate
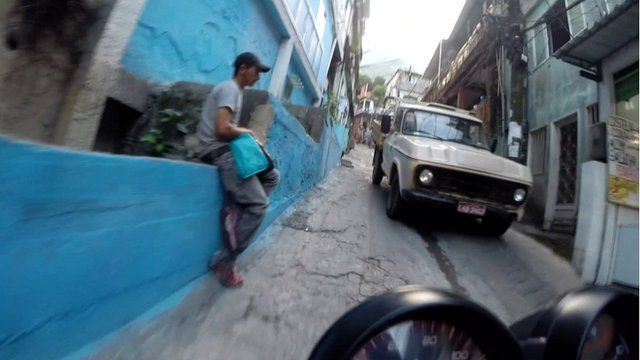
x=565 y=214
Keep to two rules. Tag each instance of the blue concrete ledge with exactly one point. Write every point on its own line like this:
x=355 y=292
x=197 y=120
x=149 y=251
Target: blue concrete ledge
x=89 y=241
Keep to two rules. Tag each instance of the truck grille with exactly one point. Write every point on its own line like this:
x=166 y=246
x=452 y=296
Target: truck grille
x=473 y=185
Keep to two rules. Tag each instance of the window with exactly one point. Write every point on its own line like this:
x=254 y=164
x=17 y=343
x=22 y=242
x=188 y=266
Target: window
x=539 y=46
x=626 y=92
x=409 y=125
x=321 y=19
x=444 y=127
x=576 y=16
x=397 y=120
x=310 y=28
x=539 y=151
x=288 y=89
x=593 y=114
x=558 y=26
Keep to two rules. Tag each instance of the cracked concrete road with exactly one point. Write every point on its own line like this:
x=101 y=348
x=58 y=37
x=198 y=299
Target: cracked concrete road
x=333 y=249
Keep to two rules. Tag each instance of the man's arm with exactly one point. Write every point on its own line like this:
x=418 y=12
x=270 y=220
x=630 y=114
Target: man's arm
x=225 y=129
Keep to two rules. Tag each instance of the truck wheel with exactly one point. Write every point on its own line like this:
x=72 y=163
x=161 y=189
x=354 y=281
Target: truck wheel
x=377 y=174
x=496 y=226
x=395 y=203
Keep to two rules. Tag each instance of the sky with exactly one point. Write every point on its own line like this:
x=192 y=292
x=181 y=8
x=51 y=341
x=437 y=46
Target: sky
x=408 y=29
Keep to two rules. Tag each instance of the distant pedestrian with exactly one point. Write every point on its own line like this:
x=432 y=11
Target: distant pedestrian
x=368 y=137
x=248 y=198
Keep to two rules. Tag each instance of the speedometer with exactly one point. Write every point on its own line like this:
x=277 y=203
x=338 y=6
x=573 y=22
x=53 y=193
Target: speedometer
x=417 y=323
x=604 y=341
x=420 y=339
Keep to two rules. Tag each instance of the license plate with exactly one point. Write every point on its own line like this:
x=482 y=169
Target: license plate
x=472 y=209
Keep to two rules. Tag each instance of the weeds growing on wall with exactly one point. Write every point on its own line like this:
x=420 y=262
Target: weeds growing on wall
x=172 y=116
x=332 y=106
x=166 y=139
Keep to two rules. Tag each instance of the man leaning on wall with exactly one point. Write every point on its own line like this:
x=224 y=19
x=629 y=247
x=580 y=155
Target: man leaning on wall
x=248 y=199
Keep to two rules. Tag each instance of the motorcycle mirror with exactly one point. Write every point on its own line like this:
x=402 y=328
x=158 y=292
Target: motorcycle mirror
x=385 y=125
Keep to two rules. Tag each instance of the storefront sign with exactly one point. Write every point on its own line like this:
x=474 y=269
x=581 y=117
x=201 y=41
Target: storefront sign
x=622 y=152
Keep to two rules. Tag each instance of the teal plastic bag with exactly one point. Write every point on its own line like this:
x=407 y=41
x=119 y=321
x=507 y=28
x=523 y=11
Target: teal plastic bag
x=248 y=156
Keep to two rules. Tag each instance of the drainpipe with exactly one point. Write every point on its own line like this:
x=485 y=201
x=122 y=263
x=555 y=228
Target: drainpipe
x=501 y=88
x=439 y=63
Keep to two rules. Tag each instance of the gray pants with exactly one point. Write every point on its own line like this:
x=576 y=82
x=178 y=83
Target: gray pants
x=250 y=197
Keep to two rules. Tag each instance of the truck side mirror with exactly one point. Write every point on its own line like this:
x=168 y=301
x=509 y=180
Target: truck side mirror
x=385 y=124
x=494 y=145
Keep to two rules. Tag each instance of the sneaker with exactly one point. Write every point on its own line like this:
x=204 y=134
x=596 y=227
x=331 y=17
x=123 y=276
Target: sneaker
x=231 y=225
x=229 y=277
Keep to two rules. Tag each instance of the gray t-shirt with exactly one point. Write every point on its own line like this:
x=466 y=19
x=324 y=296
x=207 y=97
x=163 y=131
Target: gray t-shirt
x=226 y=94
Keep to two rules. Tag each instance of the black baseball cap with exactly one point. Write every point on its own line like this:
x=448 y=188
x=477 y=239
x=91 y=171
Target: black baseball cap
x=250 y=59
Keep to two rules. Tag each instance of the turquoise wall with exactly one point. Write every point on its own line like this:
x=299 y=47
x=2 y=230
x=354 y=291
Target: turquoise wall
x=300 y=96
x=197 y=41
x=90 y=241
x=555 y=88
x=342 y=134
x=555 y=91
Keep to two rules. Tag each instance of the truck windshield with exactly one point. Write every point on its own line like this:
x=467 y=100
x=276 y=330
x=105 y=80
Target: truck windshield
x=444 y=127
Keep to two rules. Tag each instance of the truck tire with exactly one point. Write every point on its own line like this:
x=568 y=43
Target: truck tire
x=496 y=226
x=395 y=203
x=377 y=173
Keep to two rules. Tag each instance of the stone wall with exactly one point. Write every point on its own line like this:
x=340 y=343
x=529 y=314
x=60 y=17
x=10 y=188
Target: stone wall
x=34 y=82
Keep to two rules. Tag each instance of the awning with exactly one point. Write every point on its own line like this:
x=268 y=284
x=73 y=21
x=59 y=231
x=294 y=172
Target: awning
x=604 y=38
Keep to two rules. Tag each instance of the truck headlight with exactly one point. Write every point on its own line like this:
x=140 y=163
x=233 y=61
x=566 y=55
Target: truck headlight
x=519 y=195
x=425 y=177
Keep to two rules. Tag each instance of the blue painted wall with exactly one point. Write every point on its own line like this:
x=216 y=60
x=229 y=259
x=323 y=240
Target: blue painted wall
x=342 y=135
x=197 y=40
x=300 y=96
x=90 y=241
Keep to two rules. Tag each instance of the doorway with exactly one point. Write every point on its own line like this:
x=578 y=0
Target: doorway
x=564 y=217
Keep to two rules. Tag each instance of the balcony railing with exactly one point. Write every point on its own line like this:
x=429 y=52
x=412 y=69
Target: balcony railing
x=479 y=32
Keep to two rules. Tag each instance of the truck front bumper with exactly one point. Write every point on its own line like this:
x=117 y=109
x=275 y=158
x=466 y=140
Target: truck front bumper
x=450 y=202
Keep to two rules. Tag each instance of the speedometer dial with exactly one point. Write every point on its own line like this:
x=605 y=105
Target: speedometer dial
x=421 y=339
x=604 y=341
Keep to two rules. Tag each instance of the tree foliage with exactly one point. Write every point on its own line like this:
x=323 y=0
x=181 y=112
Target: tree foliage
x=364 y=79
x=378 y=94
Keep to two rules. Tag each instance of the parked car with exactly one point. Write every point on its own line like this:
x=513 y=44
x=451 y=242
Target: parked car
x=438 y=155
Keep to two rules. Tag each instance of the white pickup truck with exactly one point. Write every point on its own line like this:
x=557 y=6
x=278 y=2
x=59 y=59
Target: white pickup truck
x=438 y=155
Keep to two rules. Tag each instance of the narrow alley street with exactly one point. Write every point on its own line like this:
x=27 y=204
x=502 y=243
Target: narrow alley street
x=330 y=251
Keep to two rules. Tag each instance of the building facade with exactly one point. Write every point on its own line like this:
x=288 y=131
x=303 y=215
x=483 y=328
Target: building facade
x=583 y=83
x=603 y=43
x=406 y=84
x=480 y=68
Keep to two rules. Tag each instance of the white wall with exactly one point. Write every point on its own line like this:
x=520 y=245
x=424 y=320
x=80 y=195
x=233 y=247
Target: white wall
x=617 y=217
